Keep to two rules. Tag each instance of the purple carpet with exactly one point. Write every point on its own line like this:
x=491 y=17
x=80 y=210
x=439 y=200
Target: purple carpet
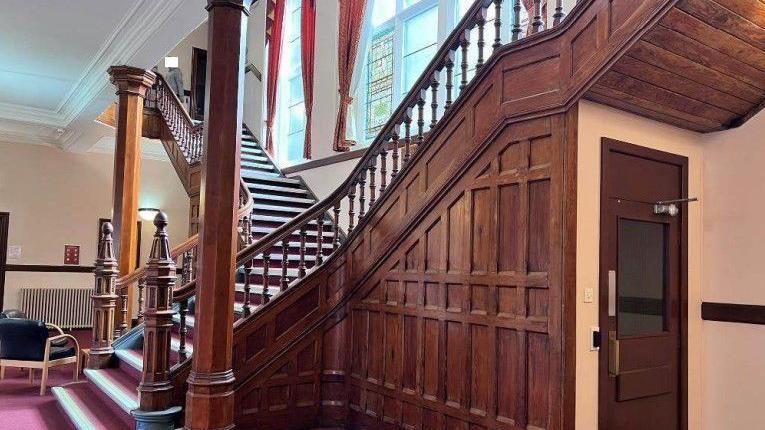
x=22 y=407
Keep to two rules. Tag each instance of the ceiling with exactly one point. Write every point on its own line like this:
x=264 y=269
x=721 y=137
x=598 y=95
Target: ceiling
x=53 y=80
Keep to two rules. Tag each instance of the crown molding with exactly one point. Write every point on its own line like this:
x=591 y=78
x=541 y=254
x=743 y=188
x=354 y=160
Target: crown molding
x=136 y=28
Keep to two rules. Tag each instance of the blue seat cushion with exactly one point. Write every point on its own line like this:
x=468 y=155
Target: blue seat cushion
x=57 y=352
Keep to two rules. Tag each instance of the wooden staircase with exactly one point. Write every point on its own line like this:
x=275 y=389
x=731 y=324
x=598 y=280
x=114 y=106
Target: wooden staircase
x=106 y=396
x=458 y=267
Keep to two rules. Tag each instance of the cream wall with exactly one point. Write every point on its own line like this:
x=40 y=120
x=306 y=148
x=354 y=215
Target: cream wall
x=733 y=374
x=596 y=121
x=195 y=39
x=56 y=198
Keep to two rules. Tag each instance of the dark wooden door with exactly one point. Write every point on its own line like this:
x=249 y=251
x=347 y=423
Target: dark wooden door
x=4 y=218
x=642 y=290
x=198 y=76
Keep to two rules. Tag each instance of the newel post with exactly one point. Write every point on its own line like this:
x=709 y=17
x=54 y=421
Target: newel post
x=104 y=301
x=210 y=396
x=155 y=390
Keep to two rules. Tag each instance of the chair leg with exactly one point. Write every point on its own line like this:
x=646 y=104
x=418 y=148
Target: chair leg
x=44 y=380
x=76 y=376
x=31 y=375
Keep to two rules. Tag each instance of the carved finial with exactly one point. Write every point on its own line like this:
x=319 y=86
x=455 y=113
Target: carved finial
x=105 y=244
x=160 y=248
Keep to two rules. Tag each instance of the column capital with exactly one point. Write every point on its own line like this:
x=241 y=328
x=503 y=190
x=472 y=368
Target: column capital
x=243 y=5
x=132 y=80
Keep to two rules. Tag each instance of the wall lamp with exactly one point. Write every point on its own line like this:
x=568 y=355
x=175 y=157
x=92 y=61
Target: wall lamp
x=148 y=214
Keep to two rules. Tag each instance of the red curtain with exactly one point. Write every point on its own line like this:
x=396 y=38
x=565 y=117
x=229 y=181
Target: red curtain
x=529 y=6
x=351 y=18
x=274 y=56
x=307 y=42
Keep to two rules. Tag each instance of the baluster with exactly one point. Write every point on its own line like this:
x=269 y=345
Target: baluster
x=516 y=20
x=536 y=24
x=336 y=233
x=141 y=286
x=266 y=277
x=319 y=240
x=407 y=124
x=186 y=268
x=481 y=20
x=183 y=329
x=104 y=300
x=248 y=272
x=384 y=166
x=362 y=193
x=301 y=264
x=284 y=281
x=420 y=124
x=498 y=24
x=122 y=328
x=407 y=140
x=464 y=44
x=558 y=16
x=351 y=200
x=372 y=185
x=434 y=101
x=449 y=79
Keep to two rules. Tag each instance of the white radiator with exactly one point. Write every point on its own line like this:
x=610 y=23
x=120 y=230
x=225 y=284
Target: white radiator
x=65 y=307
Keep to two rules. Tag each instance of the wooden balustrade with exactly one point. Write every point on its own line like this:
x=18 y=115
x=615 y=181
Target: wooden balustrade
x=369 y=182
x=187 y=133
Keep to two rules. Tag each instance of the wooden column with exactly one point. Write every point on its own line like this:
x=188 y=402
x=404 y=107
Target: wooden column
x=104 y=301
x=210 y=396
x=132 y=85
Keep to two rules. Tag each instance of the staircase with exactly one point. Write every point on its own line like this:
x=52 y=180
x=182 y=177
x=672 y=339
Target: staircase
x=106 y=396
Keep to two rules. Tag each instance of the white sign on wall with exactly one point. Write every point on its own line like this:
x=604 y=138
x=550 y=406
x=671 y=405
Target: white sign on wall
x=14 y=252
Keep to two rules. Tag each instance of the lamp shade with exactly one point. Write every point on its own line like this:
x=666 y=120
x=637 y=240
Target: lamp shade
x=147 y=214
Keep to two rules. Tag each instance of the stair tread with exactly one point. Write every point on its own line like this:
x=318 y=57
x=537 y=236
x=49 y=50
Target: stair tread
x=277 y=208
x=269 y=177
x=276 y=218
x=134 y=357
x=327 y=232
x=118 y=386
x=286 y=199
x=85 y=408
x=260 y=188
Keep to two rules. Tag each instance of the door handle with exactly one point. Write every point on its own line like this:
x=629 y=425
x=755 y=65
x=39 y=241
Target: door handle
x=612 y=293
x=613 y=354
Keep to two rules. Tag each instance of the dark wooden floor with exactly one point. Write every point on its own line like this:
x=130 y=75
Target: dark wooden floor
x=701 y=68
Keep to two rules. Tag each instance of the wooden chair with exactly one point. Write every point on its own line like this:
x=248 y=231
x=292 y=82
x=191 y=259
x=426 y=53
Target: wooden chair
x=28 y=344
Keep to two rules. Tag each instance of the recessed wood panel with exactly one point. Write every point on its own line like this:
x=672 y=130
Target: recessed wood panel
x=482 y=217
x=539 y=226
x=619 y=11
x=530 y=80
x=584 y=45
x=509 y=228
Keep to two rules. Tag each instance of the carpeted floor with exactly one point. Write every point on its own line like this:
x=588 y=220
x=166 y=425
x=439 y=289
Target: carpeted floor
x=22 y=407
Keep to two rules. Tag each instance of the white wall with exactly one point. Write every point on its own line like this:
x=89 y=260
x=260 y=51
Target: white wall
x=597 y=121
x=195 y=39
x=733 y=375
x=56 y=198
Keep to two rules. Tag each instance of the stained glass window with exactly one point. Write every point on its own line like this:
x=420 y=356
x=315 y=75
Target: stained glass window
x=379 y=82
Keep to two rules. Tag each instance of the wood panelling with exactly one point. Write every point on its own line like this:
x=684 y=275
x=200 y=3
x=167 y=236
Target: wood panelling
x=701 y=68
x=730 y=312
x=448 y=297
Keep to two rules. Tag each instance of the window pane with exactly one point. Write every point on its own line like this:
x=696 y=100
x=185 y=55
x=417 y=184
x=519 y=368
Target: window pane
x=382 y=11
x=295 y=146
x=421 y=31
x=379 y=82
x=641 y=278
x=464 y=5
x=415 y=64
x=295 y=57
x=408 y=3
x=297 y=118
x=296 y=90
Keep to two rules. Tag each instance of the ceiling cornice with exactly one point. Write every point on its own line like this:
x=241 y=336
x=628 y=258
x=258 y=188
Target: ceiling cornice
x=136 y=29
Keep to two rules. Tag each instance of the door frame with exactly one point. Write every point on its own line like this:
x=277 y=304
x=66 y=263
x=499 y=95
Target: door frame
x=193 y=99
x=4 y=227
x=612 y=145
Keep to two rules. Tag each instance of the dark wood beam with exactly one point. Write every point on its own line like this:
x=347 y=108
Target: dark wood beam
x=731 y=312
x=210 y=396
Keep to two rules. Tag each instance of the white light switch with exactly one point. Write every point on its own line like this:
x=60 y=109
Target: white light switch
x=589 y=295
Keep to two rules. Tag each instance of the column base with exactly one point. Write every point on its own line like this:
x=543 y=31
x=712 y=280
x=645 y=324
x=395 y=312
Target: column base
x=156 y=420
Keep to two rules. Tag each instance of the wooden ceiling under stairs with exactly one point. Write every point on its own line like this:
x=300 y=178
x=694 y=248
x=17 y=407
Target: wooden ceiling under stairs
x=702 y=67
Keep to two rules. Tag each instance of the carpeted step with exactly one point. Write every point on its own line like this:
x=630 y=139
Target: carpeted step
x=86 y=409
x=117 y=385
